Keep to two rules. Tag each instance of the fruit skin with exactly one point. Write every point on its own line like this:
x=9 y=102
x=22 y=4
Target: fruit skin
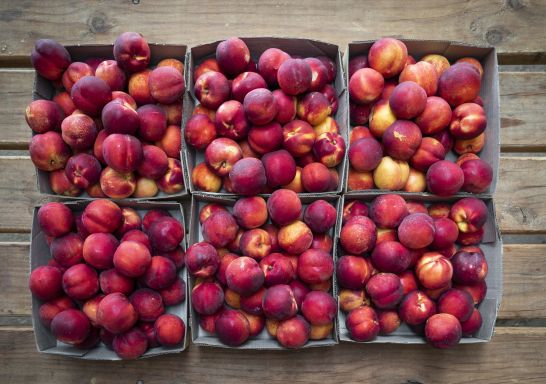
x=443 y=330
x=170 y=330
x=473 y=324
x=457 y=303
x=478 y=176
x=232 y=56
x=353 y=272
x=358 y=235
x=277 y=269
x=294 y=332
x=44 y=115
x=365 y=86
x=244 y=276
x=319 y=73
x=132 y=52
x=116 y=313
x=469 y=213
x=90 y=94
x=52 y=308
x=265 y=138
x=207 y=298
x=391 y=174
x=260 y=106
x=444 y=178
x=295 y=238
x=422 y=73
x=435 y=117
x=160 y=274
x=166 y=84
x=416 y=308
x=46 y=283
x=365 y=154
x=55 y=219
x=112 y=74
x=388 y=56
x=416 y=231
x=131 y=344
x=429 y=152
x=459 y=84
x=80 y=282
x=222 y=154
x=132 y=259
x=119 y=117
x=313 y=108
x=122 y=152
x=244 y=83
x=212 y=89
x=385 y=290
x=250 y=212
x=315 y=177
x=469 y=267
x=408 y=100
x=401 y=139
x=433 y=270
x=48 y=151
x=362 y=324
x=279 y=302
x=232 y=327
x=280 y=168
x=147 y=303
x=389 y=321
x=248 y=176
x=315 y=266
x=219 y=229
x=467 y=121
x=294 y=76
x=284 y=206
x=319 y=308
x=391 y=256
x=388 y=211
x=269 y=63
x=320 y=216
x=111 y=281
x=70 y=326
x=49 y=59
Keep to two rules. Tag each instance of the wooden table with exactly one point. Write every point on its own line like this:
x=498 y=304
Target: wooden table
x=515 y=27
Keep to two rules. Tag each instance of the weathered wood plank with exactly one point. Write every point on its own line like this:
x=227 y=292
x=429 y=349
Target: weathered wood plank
x=524 y=283
x=521 y=212
x=514 y=355
x=522 y=96
x=516 y=28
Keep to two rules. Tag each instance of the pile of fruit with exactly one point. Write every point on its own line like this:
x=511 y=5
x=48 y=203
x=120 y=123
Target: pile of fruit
x=411 y=127
x=102 y=282
x=267 y=126
x=95 y=137
x=400 y=263
x=276 y=275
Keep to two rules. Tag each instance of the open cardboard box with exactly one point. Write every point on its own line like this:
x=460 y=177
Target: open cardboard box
x=40 y=255
x=489 y=92
x=491 y=246
x=257 y=45
x=262 y=341
x=43 y=89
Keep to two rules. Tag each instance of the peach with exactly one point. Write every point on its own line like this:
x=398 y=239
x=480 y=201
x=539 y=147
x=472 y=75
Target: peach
x=153 y=122
x=446 y=139
x=295 y=237
x=124 y=98
x=319 y=308
x=386 y=234
x=122 y=152
x=175 y=293
x=294 y=332
x=478 y=176
x=279 y=302
x=457 y=303
x=177 y=256
x=64 y=101
x=359 y=132
x=222 y=267
x=429 y=152
x=132 y=258
x=467 y=121
x=298 y=138
x=444 y=178
x=280 y=168
x=202 y=260
x=112 y=281
x=469 y=267
x=320 y=216
x=255 y=243
x=352 y=272
x=112 y=74
x=469 y=213
x=61 y=185
x=117 y=185
x=388 y=211
x=362 y=324
x=408 y=281
x=232 y=327
x=473 y=324
x=52 y=308
x=83 y=170
x=256 y=323
x=328 y=125
x=330 y=93
x=286 y=105
x=248 y=176
x=232 y=56
x=315 y=266
x=55 y=219
x=90 y=94
x=98 y=250
x=422 y=73
x=416 y=308
x=329 y=149
x=207 y=298
x=313 y=108
x=206 y=65
x=472 y=61
x=284 y=206
x=416 y=181
x=166 y=234
x=232 y=298
x=294 y=76
x=212 y=89
x=315 y=177
x=354 y=208
x=253 y=304
x=173 y=179
x=440 y=63
x=365 y=86
x=43 y=116
x=465 y=157
x=205 y=180
x=359 y=114
x=152 y=216
x=358 y=235
x=250 y=212
x=416 y=231
x=390 y=84
x=49 y=59
x=132 y=52
x=244 y=276
x=80 y=282
x=319 y=73
x=385 y=290
x=433 y=270
x=474 y=145
x=222 y=154
x=359 y=180
x=208 y=210
x=45 y=283
x=244 y=83
x=48 y=151
x=389 y=321
x=160 y=274
x=260 y=106
x=351 y=299
x=265 y=138
x=388 y=56
x=231 y=121
x=439 y=210
x=173 y=112
x=435 y=117
x=381 y=117
x=131 y=344
x=408 y=100
x=443 y=330
x=166 y=84
x=119 y=117
x=365 y=154
x=70 y=326
x=154 y=162
x=391 y=256
x=391 y=174
x=459 y=84
x=277 y=269
x=445 y=234
x=356 y=63
x=139 y=88
x=147 y=303
x=219 y=229
x=269 y=63
x=147 y=328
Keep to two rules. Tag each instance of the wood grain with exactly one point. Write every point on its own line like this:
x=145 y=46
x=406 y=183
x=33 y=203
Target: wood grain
x=515 y=27
x=523 y=95
x=514 y=355
x=521 y=212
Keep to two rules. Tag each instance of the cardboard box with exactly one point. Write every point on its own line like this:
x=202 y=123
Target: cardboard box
x=43 y=89
x=489 y=92
x=40 y=255
x=257 y=45
x=263 y=341
x=491 y=246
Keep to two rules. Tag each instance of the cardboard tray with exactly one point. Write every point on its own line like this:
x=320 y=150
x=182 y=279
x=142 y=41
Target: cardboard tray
x=257 y=45
x=263 y=341
x=491 y=246
x=43 y=89
x=40 y=255
x=489 y=92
